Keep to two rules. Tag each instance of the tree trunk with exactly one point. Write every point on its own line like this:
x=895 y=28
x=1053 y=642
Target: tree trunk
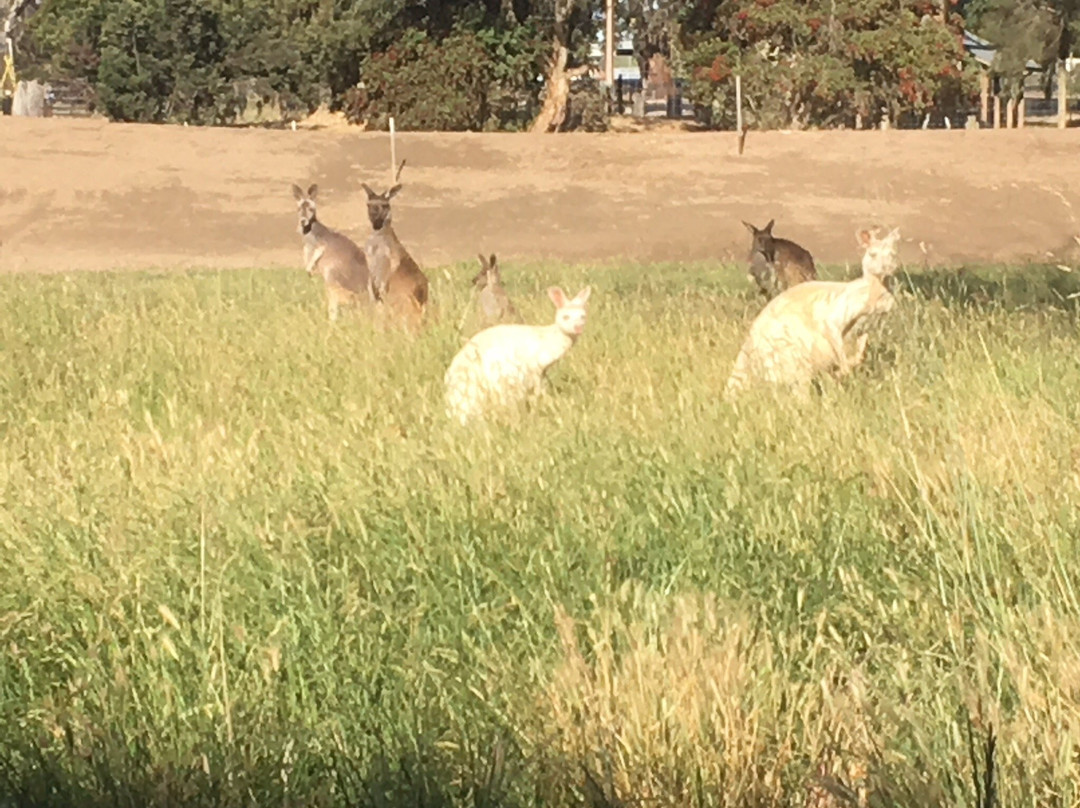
x=557 y=87
x=556 y=93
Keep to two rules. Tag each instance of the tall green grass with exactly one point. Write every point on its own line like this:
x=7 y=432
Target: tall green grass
x=245 y=559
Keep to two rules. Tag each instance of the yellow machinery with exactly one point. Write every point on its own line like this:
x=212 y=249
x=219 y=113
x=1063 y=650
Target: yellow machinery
x=8 y=79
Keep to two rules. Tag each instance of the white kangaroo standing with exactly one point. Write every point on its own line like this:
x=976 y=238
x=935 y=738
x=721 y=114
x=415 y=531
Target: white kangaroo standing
x=801 y=331
x=502 y=365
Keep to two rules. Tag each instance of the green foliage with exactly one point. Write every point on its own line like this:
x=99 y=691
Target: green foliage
x=654 y=27
x=465 y=81
x=248 y=561
x=178 y=60
x=474 y=64
x=1027 y=30
x=819 y=63
x=461 y=65
x=588 y=107
x=426 y=84
x=65 y=36
x=163 y=60
x=149 y=60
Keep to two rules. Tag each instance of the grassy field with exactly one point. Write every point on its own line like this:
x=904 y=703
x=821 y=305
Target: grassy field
x=245 y=559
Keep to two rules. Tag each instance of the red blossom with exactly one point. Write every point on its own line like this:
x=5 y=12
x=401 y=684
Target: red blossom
x=720 y=70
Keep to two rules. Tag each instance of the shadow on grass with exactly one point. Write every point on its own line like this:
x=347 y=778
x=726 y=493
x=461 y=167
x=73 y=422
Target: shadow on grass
x=1033 y=286
x=417 y=774
x=33 y=779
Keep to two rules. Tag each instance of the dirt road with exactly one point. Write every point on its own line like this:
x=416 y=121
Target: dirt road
x=90 y=195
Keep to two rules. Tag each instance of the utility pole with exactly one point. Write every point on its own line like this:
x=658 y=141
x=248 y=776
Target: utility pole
x=609 y=44
x=1063 y=94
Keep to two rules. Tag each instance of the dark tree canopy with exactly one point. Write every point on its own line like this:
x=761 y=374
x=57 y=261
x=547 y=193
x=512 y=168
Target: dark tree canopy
x=512 y=64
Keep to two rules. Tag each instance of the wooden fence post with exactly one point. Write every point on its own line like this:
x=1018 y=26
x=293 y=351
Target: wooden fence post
x=738 y=110
x=984 y=97
x=1063 y=95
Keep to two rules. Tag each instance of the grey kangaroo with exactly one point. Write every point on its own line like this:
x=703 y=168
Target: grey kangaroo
x=338 y=259
x=493 y=304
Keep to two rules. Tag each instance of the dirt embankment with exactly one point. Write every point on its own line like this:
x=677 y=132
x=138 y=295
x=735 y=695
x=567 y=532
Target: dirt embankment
x=86 y=195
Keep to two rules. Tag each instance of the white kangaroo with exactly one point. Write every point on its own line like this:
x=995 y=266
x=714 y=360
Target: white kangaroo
x=502 y=365
x=801 y=331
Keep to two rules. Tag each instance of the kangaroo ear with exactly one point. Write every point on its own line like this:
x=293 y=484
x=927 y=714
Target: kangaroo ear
x=894 y=234
x=583 y=296
x=863 y=238
x=483 y=261
x=769 y=226
x=297 y=192
x=557 y=295
x=313 y=191
x=494 y=261
x=750 y=227
x=393 y=192
x=367 y=189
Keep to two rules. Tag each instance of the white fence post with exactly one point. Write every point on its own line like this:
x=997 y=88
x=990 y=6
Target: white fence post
x=393 y=151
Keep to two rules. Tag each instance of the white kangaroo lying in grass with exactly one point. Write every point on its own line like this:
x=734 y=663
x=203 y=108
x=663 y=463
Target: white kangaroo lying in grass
x=801 y=331
x=503 y=364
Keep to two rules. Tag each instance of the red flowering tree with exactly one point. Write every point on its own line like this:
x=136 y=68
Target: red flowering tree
x=823 y=62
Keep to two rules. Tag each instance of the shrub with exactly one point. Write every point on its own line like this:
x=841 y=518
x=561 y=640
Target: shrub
x=467 y=81
x=801 y=68
x=589 y=107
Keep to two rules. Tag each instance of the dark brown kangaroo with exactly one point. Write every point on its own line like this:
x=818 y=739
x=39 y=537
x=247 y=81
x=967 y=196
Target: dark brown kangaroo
x=777 y=264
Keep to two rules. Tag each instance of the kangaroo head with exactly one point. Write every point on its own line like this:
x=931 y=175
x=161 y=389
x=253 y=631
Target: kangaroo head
x=570 y=313
x=880 y=255
x=378 y=206
x=762 y=240
x=489 y=274
x=305 y=205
